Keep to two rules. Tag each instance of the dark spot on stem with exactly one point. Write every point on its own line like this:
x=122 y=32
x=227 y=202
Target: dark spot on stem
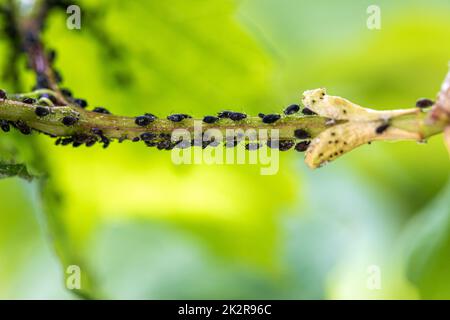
x=382 y=128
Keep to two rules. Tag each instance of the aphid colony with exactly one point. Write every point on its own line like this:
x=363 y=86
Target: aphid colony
x=162 y=141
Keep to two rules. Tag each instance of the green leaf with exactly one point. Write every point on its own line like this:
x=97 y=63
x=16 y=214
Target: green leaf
x=8 y=170
x=427 y=248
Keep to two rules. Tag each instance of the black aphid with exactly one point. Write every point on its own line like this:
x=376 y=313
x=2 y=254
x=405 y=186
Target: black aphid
x=105 y=142
x=382 y=128
x=302 y=146
x=210 y=119
x=23 y=127
x=136 y=139
x=164 y=145
x=285 y=145
x=2 y=94
x=147 y=136
x=42 y=111
x=91 y=141
x=4 y=125
x=144 y=120
x=28 y=100
x=58 y=76
x=81 y=102
x=51 y=56
x=66 y=141
x=301 y=134
x=178 y=117
x=76 y=144
x=237 y=116
x=69 y=121
x=58 y=142
x=101 y=110
x=252 y=146
x=308 y=112
x=424 y=103
x=293 y=108
x=66 y=92
x=151 y=143
x=261 y=115
x=271 y=118
x=224 y=114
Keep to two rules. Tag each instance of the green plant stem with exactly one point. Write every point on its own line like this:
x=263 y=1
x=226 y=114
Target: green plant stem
x=124 y=128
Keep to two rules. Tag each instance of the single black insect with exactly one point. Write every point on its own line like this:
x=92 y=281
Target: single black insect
x=302 y=146
x=101 y=110
x=91 y=141
x=2 y=94
x=424 y=103
x=144 y=120
x=301 y=134
x=382 y=128
x=237 y=116
x=23 y=127
x=271 y=118
x=51 y=56
x=293 y=108
x=58 y=141
x=210 y=119
x=66 y=141
x=29 y=100
x=135 y=139
x=58 y=76
x=164 y=145
x=224 y=114
x=4 y=125
x=147 y=136
x=81 y=102
x=308 y=112
x=285 y=145
x=42 y=111
x=69 y=121
x=66 y=92
x=178 y=117
x=261 y=115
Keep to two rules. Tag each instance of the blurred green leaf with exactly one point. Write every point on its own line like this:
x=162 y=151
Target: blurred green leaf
x=8 y=170
x=427 y=248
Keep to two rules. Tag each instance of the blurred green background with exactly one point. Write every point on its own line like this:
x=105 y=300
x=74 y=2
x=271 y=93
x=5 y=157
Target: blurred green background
x=141 y=227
